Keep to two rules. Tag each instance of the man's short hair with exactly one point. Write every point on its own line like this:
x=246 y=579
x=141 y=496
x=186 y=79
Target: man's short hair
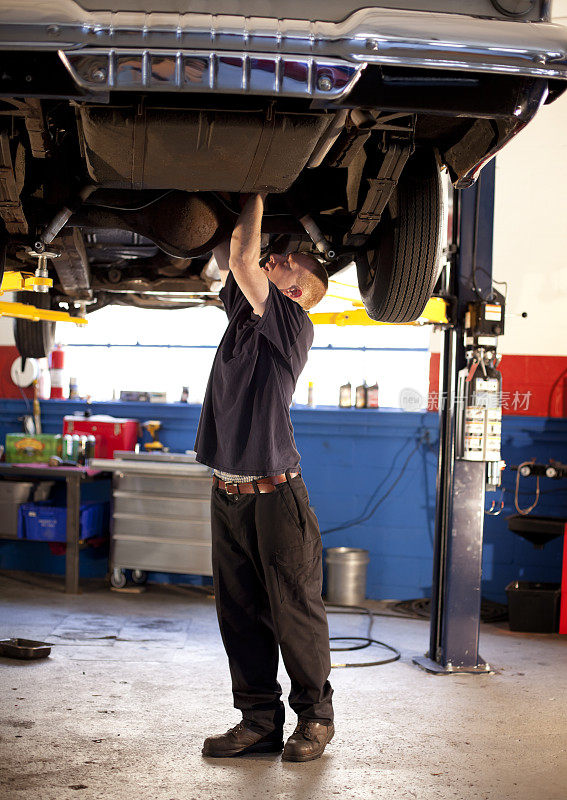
x=313 y=282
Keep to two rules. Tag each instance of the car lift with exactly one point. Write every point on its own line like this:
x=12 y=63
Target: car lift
x=28 y=282
x=469 y=433
x=471 y=313
x=435 y=312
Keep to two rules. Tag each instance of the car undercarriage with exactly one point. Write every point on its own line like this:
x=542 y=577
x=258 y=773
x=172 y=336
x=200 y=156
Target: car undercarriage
x=126 y=153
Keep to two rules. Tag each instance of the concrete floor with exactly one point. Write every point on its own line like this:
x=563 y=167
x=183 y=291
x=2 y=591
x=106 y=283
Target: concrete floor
x=135 y=683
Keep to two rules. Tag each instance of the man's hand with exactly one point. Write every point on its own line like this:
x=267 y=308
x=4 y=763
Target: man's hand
x=244 y=259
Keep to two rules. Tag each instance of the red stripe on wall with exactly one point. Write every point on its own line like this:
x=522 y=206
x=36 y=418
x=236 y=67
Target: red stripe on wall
x=8 y=354
x=532 y=386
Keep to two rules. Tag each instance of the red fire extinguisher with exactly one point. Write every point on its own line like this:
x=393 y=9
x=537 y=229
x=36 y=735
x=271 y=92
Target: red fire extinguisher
x=56 y=373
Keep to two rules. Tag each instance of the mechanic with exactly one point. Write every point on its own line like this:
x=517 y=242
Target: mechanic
x=266 y=544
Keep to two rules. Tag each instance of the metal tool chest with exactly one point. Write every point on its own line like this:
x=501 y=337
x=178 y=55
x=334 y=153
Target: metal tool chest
x=161 y=514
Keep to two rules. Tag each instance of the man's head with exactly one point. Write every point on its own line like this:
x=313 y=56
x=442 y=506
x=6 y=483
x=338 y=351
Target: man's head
x=299 y=276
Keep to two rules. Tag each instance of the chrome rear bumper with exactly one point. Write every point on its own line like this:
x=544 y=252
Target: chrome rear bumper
x=96 y=69
x=198 y=52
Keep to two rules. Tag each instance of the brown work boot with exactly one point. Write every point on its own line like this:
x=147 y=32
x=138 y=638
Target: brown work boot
x=239 y=740
x=308 y=741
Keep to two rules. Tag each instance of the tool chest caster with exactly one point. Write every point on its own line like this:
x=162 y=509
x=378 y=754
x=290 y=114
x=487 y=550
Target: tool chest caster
x=118 y=578
x=139 y=577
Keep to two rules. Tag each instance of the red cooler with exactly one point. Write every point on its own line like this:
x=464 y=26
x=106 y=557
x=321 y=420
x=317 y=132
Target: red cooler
x=111 y=433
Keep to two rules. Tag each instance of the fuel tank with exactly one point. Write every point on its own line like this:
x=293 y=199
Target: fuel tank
x=194 y=150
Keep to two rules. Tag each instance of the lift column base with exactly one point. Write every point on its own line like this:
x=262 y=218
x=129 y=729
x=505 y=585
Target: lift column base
x=455 y=628
x=434 y=668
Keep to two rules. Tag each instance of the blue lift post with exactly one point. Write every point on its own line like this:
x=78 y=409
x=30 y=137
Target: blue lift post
x=459 y=522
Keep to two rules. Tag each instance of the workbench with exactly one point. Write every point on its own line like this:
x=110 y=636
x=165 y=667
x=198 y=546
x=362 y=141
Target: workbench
x=74 y=477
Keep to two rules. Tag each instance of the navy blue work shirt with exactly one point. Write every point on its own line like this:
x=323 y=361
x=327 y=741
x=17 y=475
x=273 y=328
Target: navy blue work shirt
x=245 y=426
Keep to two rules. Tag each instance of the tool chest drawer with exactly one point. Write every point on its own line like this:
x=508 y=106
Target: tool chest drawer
x=161 y=505
x=161 y=529
x=192 y=486
x=159 y=556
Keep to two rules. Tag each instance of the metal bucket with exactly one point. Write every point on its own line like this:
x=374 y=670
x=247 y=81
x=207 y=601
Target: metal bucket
x=346 y=575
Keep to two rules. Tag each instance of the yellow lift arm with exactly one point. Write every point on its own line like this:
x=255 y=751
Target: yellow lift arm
x=22 y=282
x=435 y=312
x=26 y=282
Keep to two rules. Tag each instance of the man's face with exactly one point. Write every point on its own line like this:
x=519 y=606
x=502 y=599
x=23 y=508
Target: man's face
x=283 y=271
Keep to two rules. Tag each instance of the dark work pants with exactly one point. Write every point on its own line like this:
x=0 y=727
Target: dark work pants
x=267 y=571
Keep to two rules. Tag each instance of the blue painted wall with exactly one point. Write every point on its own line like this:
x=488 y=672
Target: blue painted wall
x=347 y=455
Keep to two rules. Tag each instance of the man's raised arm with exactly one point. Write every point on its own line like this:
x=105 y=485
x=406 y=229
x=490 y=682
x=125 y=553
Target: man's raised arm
x=244 y=260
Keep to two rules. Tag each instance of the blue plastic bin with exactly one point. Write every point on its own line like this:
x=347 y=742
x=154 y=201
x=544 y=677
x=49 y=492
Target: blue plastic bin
x=45 y=522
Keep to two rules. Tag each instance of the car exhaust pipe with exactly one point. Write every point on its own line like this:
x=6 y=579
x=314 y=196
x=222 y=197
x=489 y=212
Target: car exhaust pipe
x=61 y=219
x=316 y=235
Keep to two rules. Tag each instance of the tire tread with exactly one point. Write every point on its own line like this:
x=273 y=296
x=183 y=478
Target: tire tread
x=415 y=243
x=34 y=339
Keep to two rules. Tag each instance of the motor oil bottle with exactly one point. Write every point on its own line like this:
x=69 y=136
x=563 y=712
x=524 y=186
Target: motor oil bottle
x=345 y=396
x=361 y=395
x=372 y=396
x=75 y=447
x=310 y=394
x=90 y=450
x=67 y=447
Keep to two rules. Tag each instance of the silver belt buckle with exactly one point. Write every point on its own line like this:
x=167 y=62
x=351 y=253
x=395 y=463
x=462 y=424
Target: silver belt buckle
x=229 y=491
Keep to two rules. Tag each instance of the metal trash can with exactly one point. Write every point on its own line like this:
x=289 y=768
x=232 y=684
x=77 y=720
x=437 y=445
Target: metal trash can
x=346 y=575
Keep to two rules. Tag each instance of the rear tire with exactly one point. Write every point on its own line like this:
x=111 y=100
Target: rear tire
x=397 y=273
x=34 y=339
